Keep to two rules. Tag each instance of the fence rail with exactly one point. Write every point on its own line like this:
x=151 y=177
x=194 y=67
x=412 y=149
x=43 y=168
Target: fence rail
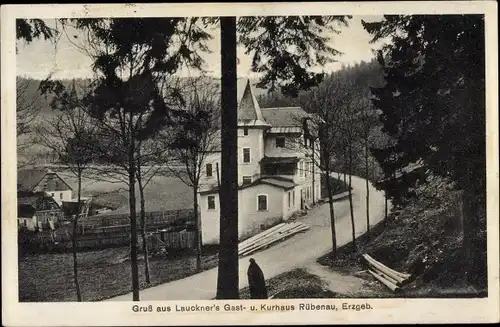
x=110 y=230
x=152 y=218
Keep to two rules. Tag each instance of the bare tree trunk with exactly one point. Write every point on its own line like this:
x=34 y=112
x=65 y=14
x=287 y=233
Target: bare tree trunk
x=367 y=188
x=332 y=214
x=313 y=177
x=74 y=239
x=386 y=204
x=198 y=228
x=133 y=224
x=227 y=278
x=143 y=226
x=350 y=200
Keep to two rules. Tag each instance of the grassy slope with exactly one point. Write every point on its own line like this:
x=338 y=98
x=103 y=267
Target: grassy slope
x=162 y=193
x=102 y=274
x=294 y=284
x=423 y=239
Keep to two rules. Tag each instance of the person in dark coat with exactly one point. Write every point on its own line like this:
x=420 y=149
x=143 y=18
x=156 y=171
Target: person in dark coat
x=256 y=281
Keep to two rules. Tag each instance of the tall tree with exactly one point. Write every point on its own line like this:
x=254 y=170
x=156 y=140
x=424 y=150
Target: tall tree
x=435 y=94
x=148 y=166
x=327 y=103
x=284 y=49
x=70 y=135
x=131 y=58
x=194 y=138
x=227 y=274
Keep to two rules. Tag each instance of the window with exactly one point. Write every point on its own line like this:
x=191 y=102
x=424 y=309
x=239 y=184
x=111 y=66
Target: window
x=209 y=170
x=293 y=198
x=211 y=202
x=245 y=131
x=280 y=142
x=262 y=202
x=247 y=180
x=289 y=199
x=52 y=194
x=61 y=196
x=246 y=154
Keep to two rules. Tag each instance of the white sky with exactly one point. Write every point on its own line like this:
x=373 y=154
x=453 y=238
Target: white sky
x=41 y=58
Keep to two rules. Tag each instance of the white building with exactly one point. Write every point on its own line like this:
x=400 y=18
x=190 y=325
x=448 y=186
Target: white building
x=277 y=176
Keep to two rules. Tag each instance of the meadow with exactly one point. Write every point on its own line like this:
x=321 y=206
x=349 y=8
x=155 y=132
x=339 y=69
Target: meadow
x=162 y=193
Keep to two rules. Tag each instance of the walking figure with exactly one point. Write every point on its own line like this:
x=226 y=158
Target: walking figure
x=256 y=281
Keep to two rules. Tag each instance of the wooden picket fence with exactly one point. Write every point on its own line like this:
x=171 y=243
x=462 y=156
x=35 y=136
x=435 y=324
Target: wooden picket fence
x=161 y=241
x=112 y=230
x=154 y=218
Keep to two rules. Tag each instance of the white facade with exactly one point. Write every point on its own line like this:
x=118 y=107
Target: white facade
x=60 y=196
x=275 y=171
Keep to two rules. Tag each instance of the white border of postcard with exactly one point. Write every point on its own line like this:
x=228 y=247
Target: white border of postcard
x=120 y=313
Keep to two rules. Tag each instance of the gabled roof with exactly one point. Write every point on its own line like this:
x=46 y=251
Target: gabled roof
x=284 y=116
x=27 y=179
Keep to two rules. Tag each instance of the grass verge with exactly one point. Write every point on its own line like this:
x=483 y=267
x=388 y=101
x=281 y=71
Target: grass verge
x=294 y=284
x=102 y=274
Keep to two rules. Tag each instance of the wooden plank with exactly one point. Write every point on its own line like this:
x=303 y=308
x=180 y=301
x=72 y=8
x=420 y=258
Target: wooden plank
x=255 y=237
x=384 y=281
x=267 y=236
x=397 y=275
x=274 y=238
x=270 y=242
x=381 y=273
x=384 y=269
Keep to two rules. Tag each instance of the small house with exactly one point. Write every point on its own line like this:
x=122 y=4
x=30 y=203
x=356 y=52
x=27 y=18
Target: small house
x=37 y=211
x=43 y=180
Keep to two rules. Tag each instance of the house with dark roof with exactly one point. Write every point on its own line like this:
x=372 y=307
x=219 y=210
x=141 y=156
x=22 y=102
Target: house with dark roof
x=277 y=177
x=43 y=180
x=37 y=210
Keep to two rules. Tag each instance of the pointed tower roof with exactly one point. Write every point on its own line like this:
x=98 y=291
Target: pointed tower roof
x=249 y=113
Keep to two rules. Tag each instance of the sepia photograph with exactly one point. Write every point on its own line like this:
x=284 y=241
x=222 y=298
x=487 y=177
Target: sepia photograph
x=331 y=158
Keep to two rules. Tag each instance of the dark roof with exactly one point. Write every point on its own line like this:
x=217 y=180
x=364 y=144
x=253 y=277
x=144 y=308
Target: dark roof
x=27 y=179
x=248 y=108
x=284 y=116
x=279 y=160
x=277 y=182
x=281 y=183
x=37 y=200
x=25 y=210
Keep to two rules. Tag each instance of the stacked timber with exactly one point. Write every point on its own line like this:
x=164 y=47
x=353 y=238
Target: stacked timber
x=389 y=277
x=270 y=236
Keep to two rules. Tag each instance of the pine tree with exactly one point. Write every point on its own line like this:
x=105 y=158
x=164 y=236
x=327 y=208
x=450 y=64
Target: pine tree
x=433 y=106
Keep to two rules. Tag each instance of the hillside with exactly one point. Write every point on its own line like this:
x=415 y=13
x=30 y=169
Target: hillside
x=44 y=112
x=423 y=238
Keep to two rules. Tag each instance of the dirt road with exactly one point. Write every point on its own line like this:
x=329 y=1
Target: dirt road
x=300 y=251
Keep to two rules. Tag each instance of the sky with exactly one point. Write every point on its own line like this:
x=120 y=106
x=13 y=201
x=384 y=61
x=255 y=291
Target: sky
x=64 y=60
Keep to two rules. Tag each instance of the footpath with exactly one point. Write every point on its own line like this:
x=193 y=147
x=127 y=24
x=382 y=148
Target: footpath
x=299 y=251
